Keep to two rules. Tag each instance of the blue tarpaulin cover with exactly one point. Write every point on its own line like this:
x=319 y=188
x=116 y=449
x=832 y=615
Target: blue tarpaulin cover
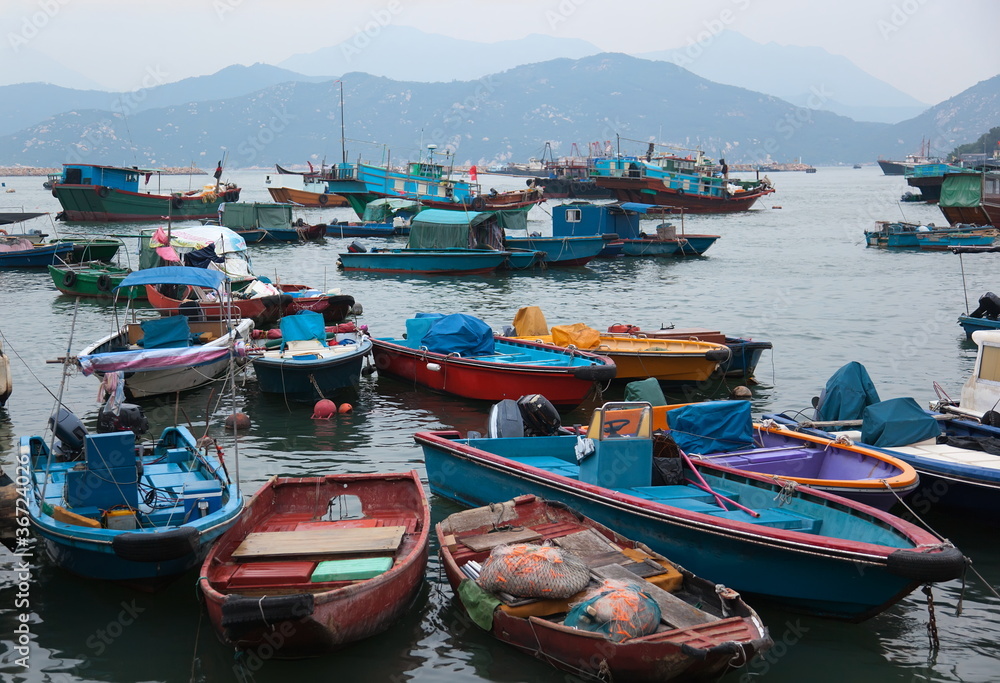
x=176 y=275
x=303 y=326
x=712 y=427
x=459 y=333
x=847 y=393
x=897 y=422
x=165 y=333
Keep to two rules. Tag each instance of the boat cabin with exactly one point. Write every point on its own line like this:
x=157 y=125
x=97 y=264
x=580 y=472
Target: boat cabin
x=981 y=392
x=114 y=177
x=624 y=220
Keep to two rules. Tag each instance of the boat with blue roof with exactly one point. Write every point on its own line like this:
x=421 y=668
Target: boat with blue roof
x=92 y=192
x=693 y=184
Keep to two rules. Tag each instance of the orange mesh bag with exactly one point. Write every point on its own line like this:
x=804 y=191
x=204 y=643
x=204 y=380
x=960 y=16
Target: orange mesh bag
x=616 y=609
x=533 y=571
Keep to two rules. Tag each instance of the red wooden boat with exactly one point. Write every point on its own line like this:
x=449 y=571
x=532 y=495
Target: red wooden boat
x=704 y=629
x=320 y=561
x=263 y=310
x=515 y=369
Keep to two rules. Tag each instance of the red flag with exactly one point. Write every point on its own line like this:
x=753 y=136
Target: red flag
x=473 y=173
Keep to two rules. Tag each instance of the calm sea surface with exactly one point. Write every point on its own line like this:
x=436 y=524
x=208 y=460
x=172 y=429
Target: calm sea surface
x=794 y=271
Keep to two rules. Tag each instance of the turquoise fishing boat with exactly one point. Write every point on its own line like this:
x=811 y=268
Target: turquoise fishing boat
x=562 y=251
x=806 y=549
x=107 y=507
x=440 y=243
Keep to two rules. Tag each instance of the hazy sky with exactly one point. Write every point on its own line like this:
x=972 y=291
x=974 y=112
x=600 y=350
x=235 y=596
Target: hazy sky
x=930 y=49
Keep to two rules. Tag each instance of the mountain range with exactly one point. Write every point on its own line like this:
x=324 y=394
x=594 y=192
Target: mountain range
x=264 y=114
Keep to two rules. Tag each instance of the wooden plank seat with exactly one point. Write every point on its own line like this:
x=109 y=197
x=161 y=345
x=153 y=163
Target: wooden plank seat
x=311 y=542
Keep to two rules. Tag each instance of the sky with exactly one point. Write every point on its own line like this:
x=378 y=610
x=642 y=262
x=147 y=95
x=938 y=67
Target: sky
x=930 y=49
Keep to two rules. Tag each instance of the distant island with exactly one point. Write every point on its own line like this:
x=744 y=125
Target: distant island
x=40 y=171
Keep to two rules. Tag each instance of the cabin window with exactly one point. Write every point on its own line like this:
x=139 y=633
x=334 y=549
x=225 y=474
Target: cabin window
x=344 y=507
x=573 y=215
x=74 y=176
x=989 y=366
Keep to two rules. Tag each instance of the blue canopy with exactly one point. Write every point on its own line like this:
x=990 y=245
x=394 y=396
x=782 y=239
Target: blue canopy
x=712 y=427
x=636 y=207
x=303 y=326
x=897 y=422
x=446 y=217
x=459 y=333
x=846 y=394
x=176 y=275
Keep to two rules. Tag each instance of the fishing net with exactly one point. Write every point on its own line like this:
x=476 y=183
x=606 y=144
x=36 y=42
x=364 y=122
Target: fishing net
x=533 y=571
x=617 y=610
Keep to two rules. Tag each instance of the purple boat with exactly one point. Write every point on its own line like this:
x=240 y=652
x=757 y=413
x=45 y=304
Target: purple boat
x=723 y=433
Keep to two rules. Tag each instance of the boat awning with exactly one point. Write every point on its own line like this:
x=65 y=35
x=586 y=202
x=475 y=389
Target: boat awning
x=146 y=360
x=446 y=217
x=9 y=217
x=176 y=275
x=636 y=207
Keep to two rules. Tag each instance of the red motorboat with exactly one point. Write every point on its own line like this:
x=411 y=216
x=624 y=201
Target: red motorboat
x=262 y=309
x=513 y=369
x=700 y=630
x=322 y=561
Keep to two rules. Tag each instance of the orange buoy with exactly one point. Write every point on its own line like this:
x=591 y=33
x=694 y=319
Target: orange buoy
x=324 y=409
x=237 y=422
x=346 y=408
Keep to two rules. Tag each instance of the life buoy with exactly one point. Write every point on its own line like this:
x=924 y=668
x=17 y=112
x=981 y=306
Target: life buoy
x=69 y=279
x=177 y=202
x=478 y=203
x=104 y=282
x=103 y=191
x=322 y=199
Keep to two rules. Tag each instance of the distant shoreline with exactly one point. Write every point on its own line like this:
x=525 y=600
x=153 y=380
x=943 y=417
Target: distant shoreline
x=42 y=171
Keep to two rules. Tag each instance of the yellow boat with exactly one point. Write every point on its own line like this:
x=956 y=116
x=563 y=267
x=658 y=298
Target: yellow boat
x=668 y=360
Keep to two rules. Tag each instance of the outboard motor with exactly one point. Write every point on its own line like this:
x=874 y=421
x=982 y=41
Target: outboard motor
x=989 y=307
x=130 y=417
x=540 y=417
x=70 y=433
x=505 y=420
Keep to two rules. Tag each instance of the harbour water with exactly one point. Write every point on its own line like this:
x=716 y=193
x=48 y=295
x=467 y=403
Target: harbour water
x=799 y=276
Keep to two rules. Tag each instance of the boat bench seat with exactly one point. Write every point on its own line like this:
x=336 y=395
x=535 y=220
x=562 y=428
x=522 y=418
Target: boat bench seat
x=161 y=468
x=778 y=519
x=173 y=482
x=165 y=516
x=666 y=493
x=544 y=462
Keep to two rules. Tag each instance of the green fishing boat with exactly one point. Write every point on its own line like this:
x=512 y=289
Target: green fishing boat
x=89 y=192
x=92 y=249
x=92 y=279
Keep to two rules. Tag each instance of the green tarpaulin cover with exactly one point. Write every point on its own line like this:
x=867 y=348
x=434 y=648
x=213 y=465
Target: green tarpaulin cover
x=647 y=390
x=962 y=191
x=246 y=216
x=478 y=603
x=440 y=229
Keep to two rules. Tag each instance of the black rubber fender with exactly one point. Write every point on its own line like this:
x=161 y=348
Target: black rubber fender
x=103 y=191
x=718 y=354
x=104 y=282
x=927 y=567
x=69 y=278
x=595 y=373
x=156 y=546
x=238 y=610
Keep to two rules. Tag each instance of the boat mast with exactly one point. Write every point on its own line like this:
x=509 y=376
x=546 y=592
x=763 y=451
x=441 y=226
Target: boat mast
x=343 y=148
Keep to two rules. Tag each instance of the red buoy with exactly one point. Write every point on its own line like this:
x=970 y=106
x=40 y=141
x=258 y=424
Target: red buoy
x=324 y=409
x=237 y=422
x=274 y=334
x=346 y=408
